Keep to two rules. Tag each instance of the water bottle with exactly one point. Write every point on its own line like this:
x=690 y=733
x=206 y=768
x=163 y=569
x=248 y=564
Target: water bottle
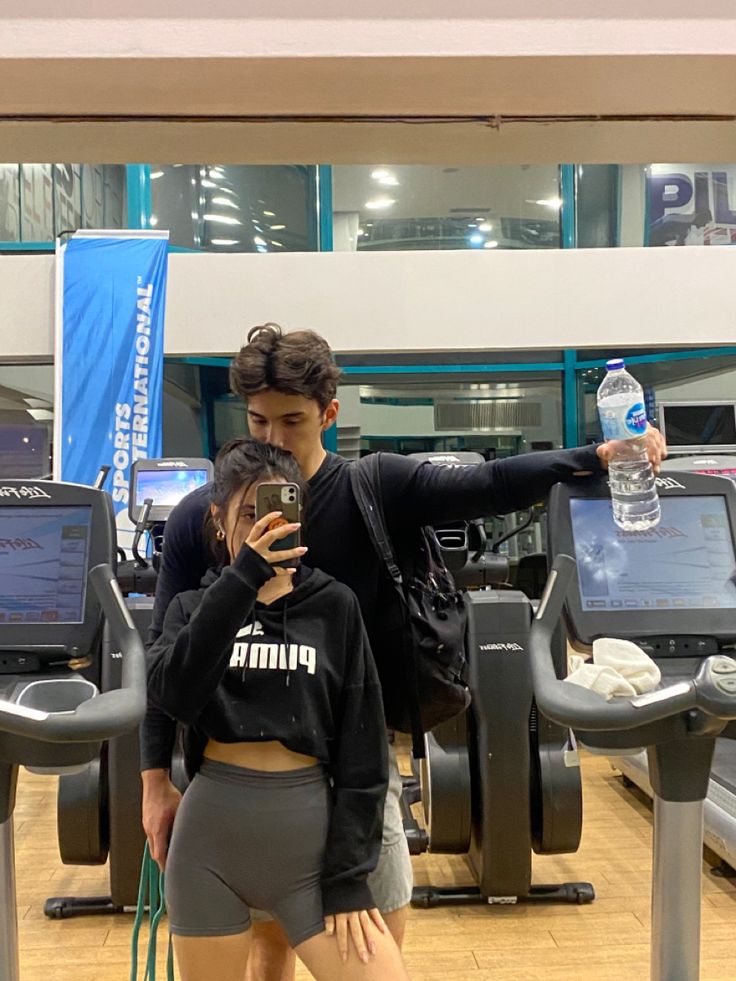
x=623 y=417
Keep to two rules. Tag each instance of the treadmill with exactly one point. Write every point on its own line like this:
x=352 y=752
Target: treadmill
x=674 y=597
x=99 y=806
x=57 y=591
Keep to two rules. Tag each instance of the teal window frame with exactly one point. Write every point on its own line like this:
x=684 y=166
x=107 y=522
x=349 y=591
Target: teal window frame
x=573 y=362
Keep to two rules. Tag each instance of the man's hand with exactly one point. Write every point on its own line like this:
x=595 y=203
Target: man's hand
x=653 y=440
x=161 y=801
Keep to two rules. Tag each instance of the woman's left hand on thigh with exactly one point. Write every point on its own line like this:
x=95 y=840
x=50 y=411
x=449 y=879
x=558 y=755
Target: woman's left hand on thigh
x=358 y=928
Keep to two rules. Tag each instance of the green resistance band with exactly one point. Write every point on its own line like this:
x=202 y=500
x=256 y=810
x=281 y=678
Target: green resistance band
x=150 y=897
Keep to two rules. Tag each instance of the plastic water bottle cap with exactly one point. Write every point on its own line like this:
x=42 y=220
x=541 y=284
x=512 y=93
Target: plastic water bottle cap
x=615 y=364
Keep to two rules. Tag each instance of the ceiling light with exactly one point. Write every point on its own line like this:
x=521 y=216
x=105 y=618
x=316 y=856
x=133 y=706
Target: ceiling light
x=491 y=244
x=277 y=228
x=269 y=214
x=224 y=241
x=222 y=219
x=226 y=202
x=156 y=174
x=152 y=221
x=279 y=244
x=384 y=176
x=550 y=203
x=257 y=240
x=476 y=239
x=485 y=226
x=206 y=183
x=26 y=439
x=376 y=204
x=216 y=172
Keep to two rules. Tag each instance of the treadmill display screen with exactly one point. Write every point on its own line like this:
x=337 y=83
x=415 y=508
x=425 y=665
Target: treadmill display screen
x=687 y=562
x=44 y=553
x=167 y=487
x=700 y=425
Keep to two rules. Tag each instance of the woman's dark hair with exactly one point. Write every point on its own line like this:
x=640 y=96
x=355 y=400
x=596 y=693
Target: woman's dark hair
x=242 y=462
x=298 y=362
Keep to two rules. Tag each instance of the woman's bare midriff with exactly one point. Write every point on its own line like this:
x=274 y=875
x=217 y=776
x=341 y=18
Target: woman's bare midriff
x=270 y=756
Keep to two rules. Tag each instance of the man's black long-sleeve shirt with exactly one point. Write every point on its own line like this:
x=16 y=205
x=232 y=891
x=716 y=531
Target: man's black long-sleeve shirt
x=414 y=494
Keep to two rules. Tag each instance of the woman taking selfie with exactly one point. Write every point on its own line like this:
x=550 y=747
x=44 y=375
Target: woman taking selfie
x=270 y=670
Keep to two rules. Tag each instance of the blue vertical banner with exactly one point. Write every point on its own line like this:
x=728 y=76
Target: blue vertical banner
x=110 y=306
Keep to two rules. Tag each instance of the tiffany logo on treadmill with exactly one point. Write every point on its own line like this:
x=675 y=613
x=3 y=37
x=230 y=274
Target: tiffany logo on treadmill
x=27 y=493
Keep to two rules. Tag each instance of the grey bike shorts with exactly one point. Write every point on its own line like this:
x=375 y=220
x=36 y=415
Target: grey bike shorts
x=248 y=838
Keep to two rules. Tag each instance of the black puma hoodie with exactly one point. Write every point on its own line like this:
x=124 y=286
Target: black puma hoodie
x=299 y=671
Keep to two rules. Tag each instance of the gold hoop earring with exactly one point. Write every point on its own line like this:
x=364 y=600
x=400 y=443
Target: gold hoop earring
x=220 y=534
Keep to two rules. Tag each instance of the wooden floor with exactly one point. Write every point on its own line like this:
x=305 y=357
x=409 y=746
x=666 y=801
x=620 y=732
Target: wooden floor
x=606 y=940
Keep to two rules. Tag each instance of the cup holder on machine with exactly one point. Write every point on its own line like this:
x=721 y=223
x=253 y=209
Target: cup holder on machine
x=54 y=695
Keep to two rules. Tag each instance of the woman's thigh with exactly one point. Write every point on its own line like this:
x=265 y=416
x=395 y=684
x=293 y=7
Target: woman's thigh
x=321 y=956
x=207 y=958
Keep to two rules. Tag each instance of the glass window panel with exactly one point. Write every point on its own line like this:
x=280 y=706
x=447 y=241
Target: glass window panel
x=398 y=207
x=596 y=205
x=9 y=203
x=678 y=204
x=227 y=208
x=93 y=196
x=496 y=418
x=36 y=202
x=113 y=196
x=26 y=420
x=67 y=197
x=691 y=380
x=183 y=429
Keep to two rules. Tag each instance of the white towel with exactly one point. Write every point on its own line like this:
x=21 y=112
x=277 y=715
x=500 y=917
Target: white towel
x=619 y=667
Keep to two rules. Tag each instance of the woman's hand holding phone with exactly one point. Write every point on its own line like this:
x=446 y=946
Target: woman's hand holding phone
x=265 y=532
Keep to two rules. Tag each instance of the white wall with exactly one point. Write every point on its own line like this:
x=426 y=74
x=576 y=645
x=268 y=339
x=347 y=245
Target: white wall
x=298 y=28
x=711 y=388
x=418 y=301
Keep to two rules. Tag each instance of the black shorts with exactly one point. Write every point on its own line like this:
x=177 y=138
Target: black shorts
x=247 y=838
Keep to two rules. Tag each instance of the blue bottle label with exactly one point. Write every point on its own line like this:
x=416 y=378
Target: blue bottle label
x=636 y=420
x=623 y=421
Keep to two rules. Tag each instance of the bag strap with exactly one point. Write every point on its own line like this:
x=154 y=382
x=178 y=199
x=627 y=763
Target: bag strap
x=365 y=479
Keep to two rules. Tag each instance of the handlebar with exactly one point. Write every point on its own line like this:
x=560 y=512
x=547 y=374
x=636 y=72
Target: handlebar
x=102 y=716
x=574 y=706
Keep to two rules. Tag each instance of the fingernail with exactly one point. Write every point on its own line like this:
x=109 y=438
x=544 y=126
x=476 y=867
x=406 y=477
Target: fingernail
x=364 y=957
x=372 y=948
x=303 y=548
x=344 y=958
